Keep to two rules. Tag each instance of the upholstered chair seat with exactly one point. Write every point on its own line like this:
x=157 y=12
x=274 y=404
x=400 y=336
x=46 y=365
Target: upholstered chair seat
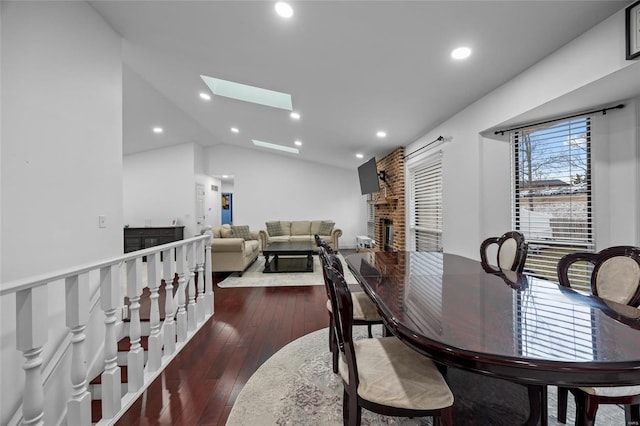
x=363 y=308
x=392 y=374
x=614 y=391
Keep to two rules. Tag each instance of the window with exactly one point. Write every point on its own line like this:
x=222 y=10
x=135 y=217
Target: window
x=425 y=180
x=371 y=230
x=552 y=192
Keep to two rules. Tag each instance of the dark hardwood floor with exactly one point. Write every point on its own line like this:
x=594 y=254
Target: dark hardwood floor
x=201 y=384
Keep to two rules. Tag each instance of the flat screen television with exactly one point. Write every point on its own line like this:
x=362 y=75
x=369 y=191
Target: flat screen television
x=368 y=173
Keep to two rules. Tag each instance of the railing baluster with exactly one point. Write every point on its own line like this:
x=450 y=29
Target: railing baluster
x=181 y=321
x=181 y=315
x=192 y=313
x=169 y=305
x=77 y=316
x=135 y=357
x=200 y=302
x=208 y=273
x=31 y=334
x=155 y=345
x=110 y=300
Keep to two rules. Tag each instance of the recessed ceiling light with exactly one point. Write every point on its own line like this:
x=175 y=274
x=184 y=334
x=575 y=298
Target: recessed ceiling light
x=359 y=155
x=274 y=146
x=235 y=130
x=158 y=130
x=295 y=115
x=381 y=134
x=298 y=143
x=225 y=176
x=284 y=9
x=244 y=92
x=205 y=96
x=461 y=53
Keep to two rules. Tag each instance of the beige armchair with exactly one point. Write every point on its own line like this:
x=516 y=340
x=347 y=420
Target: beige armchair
x=233 y=248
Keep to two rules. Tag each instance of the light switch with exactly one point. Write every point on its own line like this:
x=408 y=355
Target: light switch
x=102 y=221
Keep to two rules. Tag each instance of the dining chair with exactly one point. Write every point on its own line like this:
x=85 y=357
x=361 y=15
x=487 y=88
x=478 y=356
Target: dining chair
x=616 y=277
x=364 y=310
x=322 y=243
x=511 y=255
x=383 y=374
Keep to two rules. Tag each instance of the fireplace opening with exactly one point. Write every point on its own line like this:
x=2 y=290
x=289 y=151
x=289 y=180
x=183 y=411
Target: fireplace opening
x=387 y=234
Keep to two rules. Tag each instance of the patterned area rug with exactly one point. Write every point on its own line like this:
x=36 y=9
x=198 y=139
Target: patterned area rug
x=296 y=386
x=254 y=277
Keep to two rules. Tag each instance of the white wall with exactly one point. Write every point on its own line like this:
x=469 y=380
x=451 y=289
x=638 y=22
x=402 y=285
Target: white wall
x=616 y=164
x=61 y=159
x=276 y=187
x=476 y=169
x=158 y=186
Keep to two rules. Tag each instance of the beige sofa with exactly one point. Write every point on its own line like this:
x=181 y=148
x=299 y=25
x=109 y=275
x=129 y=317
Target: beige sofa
x=231 y=253
x=300 y=230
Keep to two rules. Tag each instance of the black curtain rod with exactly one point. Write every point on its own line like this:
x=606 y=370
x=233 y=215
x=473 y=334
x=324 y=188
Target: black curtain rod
x=603 y=111
x=440 y=138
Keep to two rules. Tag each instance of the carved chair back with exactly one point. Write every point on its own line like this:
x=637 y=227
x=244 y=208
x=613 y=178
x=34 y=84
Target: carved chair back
x=512 y=252
x=615 y=275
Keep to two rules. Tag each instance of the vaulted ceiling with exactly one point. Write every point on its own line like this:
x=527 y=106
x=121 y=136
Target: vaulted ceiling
x=352 y=68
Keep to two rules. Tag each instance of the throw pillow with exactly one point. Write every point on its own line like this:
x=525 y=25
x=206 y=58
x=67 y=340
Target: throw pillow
x=326 y=227
x=225 y=231
x=241 y=232
x=274 y=229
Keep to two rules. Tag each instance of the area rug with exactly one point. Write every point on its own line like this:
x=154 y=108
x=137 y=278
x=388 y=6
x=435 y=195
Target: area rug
x=254 y=277
x=297 y=386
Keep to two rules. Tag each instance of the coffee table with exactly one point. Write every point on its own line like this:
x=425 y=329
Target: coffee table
x=299 y=257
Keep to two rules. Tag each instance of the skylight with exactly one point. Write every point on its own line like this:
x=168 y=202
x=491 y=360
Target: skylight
x=244 y=92
x=274 y=146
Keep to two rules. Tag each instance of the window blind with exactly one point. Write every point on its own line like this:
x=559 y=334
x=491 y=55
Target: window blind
x=371 y=230
x=552 y=193
x=426 y=207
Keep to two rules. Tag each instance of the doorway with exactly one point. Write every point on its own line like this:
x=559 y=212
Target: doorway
x=227 y=208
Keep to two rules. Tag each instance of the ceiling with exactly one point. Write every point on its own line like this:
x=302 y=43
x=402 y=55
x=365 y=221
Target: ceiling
x=351 y=67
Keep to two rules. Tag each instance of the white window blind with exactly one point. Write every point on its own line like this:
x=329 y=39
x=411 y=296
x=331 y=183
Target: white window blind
x=426 y=203
x=371 y=230
x=552 y=192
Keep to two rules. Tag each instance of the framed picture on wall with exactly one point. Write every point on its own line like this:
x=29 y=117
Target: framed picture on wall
x=632 y=28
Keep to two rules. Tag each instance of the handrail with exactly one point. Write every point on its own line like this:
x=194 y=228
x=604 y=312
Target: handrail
x=188 y=305
x=37 y=280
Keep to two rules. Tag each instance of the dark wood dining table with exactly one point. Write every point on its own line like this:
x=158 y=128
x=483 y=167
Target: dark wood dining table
x=507 y=325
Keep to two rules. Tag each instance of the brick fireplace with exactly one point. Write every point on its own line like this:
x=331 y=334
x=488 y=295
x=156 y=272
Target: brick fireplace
x=389 y=215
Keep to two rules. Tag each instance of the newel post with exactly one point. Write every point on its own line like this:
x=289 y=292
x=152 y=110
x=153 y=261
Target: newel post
x=77 y=316
x=31 y=334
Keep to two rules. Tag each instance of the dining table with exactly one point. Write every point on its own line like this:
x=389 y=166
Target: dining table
x=503 y=324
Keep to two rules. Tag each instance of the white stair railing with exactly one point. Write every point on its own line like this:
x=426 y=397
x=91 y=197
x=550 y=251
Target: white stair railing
x=183 y=318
